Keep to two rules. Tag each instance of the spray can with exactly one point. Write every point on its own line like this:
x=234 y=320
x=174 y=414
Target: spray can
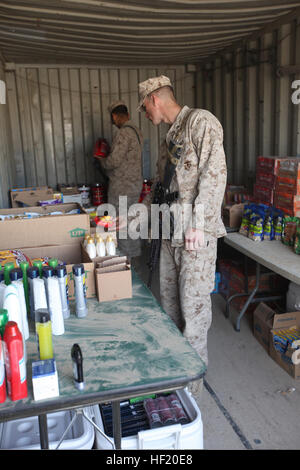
x=80 y=290
x=44 y=333
x=3 y=320
x=48 y=272
x=55 y=307
x=61 y=273
x=15 y=362
x=77 y=359
x=2 y=373
x=32 y=273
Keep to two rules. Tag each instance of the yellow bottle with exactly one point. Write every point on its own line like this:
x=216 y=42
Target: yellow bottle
x=44 y=334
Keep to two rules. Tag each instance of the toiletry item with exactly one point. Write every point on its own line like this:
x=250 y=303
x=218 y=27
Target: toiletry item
x=39 y=294
x=39 y=264
x=110 y=246
x=86 y=237
x=80 y=290
x=32 y=273
x=91 y=248
x=2 y=373
x=55 y=306
x=61 y=273
x=16 y=277
x=24 y=266
x=15 y=364
x=100 y=247
x=44 y=334
x=2 y=288
x=53 y=262
x=3 y=320
x=7 y=268
x=77 y=360
x=11 y=303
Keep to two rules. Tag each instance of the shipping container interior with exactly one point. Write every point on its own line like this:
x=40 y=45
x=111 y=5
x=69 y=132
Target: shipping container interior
x=63 y=62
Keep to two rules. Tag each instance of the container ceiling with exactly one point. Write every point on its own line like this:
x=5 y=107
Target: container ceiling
x=132 y=32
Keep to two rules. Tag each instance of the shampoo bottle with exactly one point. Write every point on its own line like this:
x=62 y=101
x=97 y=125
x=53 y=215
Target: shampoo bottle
x=15 y=363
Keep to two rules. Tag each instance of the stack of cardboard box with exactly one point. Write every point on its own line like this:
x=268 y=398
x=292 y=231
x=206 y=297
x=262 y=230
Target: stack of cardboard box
x=278 y=183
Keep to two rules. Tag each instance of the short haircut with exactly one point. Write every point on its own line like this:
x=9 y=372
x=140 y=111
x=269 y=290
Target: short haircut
x=164 y=91
x=121 y=109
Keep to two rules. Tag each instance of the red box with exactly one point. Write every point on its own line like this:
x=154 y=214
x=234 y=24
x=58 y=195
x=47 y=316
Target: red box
x=263 y=194
x=287 y=185
x=289 y=168
x=265 y=179
x=288 y=203
x=270 y=164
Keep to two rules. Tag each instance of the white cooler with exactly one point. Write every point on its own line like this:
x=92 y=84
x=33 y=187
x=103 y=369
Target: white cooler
x=176 y=436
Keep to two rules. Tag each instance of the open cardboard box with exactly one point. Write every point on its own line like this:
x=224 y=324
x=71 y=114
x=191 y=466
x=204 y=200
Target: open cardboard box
x=112 y=276
x=263 y=317
x=290 y=360
x=232 y=215
x=28 y=197
x=50 y=229
x=70 y=254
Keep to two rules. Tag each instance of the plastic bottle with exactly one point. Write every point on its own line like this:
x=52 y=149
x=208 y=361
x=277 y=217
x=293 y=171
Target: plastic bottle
x=2 y=373
x=61 y=273
x=100 y=247
x=110 y=246
x=77 y=359
x=3 y=320
x=7 y=268
x=24 y=266
x=39 y=264
x=39 y=294
x=2 y=288
x=53 y=262
x=11 y=303
x=32 y=273
x=47 y=273
x=80 y=290
x=91 y=248
x=16 y=277
x=86 y=237
x=15 y=363
x=44 y=333
x=55 y=306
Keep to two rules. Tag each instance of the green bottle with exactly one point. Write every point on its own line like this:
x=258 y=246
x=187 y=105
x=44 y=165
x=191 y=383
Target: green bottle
x=39 y=265
x=7 y=268
x=3 y=320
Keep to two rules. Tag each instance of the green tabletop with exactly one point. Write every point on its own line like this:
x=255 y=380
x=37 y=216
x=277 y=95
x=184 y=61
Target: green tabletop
x=130 y=347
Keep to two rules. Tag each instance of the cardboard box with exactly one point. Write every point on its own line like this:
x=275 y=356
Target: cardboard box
x=263 y=317
x=288 y=203
x=265 y=179
x=113 y=278
x=48 y=230
x=28 y=197
x=270 y=164
x=232 y=215
x=287 y=185
x=290 y=359
x=263 y=194
x=70 y=254
x=289 y=168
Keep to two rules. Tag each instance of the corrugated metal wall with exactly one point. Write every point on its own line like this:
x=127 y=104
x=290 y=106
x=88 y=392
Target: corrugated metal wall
x=57 y=113
x=250 y=92
x=7 y=169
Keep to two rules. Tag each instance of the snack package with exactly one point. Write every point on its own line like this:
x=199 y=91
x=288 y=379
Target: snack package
x=289 y=230
x=244 y=228
x=297 y=239
x=13 y=256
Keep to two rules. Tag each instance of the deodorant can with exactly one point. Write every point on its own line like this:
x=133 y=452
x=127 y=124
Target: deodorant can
x=80 y=290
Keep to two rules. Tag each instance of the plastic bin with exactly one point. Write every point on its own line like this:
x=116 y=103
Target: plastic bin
x=24 y=433
x=176 y=436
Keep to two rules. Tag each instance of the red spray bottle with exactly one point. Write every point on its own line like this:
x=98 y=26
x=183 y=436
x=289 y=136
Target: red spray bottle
x=15 y=363
x=2 y=373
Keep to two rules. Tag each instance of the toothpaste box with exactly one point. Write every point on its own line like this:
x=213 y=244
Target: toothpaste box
x=44 y=379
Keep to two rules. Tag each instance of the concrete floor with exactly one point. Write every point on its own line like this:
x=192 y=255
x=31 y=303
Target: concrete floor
x=248 y=401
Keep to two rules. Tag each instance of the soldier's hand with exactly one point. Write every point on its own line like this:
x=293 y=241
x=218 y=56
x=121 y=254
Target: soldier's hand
x=194 y=239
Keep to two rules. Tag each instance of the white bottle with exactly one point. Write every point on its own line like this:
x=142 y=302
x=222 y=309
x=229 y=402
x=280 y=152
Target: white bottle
x=2 y=288
x=55 y=306
x=39 y=294
x=86 y=237
x=91 y=248
x=20 y=287
x=110 y=246
x=11 y=303
x=100 y=247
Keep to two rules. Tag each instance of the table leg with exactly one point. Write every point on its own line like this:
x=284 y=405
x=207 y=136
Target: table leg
x=117 y=427
x=249 y=300
x=43 y=427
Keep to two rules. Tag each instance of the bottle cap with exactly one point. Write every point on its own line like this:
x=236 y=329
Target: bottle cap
x=61 y=271
x=48 y=271
x=16 y=274
x=42 y=313
x=78 y=269
x=44 y=317
x=33 y=272
x=90 y=240
x=3 y=320
x=109 y=239
x=53 y=262
x=11 y=328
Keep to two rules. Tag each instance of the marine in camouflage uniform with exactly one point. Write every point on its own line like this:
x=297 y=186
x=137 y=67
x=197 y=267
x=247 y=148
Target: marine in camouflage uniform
x=195 y=143
x=123 y=167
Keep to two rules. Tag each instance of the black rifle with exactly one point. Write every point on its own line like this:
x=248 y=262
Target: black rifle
x=160 y=197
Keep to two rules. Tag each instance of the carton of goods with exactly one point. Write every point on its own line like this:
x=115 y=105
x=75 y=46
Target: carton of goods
x=113 y=278
x=288 y=203
x=263 y=194
x=28 y=197
x=289 y=168
x=232 y=215
x=265 y=179
x=270 y=164
x=43 y=225
x=285 y=342
x=287 y=185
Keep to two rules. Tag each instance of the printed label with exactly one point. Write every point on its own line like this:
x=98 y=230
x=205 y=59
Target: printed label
x=77 y=232
x=22 y=368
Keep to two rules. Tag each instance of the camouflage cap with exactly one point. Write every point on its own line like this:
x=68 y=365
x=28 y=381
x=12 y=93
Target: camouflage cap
x=115 y=104
x=150 y=85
